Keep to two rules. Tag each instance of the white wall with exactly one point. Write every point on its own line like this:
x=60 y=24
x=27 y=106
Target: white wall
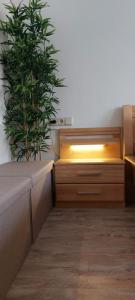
x=97 y=43
x=97 y=59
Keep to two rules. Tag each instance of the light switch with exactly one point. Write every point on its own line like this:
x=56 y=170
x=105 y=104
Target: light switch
x=69 y=121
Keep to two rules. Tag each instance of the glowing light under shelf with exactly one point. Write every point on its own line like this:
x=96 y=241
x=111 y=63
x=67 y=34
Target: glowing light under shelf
x=87 y=147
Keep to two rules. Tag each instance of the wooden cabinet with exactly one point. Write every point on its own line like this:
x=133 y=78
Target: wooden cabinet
x=89 y=182
x=89 y=173
x=96 y=185
x=90 y=192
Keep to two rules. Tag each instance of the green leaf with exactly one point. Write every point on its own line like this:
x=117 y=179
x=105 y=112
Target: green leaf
x=30 y=69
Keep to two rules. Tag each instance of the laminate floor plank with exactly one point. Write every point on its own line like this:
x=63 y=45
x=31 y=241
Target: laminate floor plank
x=80 y=254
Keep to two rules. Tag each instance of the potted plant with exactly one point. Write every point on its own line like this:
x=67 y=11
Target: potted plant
x=30 y=75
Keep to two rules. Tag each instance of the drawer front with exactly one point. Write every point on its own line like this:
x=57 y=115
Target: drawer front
x=90 y=192
x=89 y=174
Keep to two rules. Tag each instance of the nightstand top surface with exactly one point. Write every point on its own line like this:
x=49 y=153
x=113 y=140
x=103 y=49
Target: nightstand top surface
x=116 y=161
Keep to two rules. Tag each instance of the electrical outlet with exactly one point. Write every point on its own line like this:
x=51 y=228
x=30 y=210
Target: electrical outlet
x=53 y=122
x=62 y=121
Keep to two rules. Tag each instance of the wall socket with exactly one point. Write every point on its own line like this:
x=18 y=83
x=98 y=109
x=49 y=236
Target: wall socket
x=68 y=121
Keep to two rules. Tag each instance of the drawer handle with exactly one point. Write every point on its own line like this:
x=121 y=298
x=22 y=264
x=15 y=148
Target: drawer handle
x=90 y=173
x=89 y=193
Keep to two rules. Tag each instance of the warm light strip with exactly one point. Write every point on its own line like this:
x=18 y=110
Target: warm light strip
x=87 y=147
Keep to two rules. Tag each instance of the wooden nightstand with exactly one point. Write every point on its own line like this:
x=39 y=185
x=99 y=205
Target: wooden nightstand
x=90 y=181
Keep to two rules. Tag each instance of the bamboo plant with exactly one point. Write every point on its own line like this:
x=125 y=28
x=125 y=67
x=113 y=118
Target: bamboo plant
x=30 y=78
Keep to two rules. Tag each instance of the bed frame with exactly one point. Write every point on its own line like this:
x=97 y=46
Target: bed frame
x=129 y=151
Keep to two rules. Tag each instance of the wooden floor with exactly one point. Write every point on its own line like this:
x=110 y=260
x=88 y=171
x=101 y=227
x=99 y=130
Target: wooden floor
x=81 y=255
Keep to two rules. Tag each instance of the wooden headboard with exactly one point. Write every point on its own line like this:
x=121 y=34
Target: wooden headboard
x=110 y=137
x=129 y=129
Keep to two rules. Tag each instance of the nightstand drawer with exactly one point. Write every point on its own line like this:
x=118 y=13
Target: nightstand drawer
x=90 y=192
x=89 y=174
